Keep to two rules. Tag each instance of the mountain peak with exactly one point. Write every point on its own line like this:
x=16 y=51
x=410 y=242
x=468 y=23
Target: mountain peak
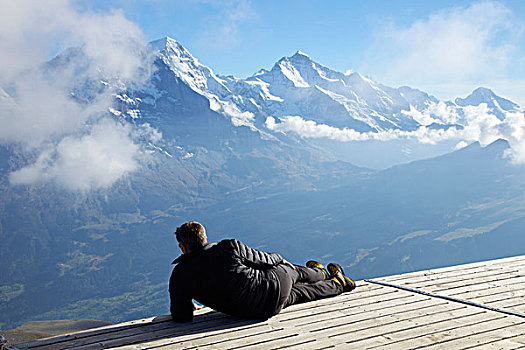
x=483 y=92
x=172 y=50
x=169 y=44
x=300 y=55
x=297 y=58
x=485 y=95
x=163 y=43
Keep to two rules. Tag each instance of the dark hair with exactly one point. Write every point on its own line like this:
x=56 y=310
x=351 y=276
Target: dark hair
x=192 y=235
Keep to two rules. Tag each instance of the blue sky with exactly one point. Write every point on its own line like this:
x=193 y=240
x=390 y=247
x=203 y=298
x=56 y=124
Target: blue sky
x=446 y=48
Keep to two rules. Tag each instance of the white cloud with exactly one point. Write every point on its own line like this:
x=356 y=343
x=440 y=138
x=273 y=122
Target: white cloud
x=310 y=129
x=39 y=112
x=460 y=145
x=452 y=51
x=515 y=128
x=70 y=141
x=31 y=31
x=481 y=125
x=423 y=118
x=94 y=160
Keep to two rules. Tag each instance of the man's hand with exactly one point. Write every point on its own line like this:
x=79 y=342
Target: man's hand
x=286 y=262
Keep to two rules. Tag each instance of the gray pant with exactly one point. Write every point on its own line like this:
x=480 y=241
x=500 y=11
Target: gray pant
x=303 y=284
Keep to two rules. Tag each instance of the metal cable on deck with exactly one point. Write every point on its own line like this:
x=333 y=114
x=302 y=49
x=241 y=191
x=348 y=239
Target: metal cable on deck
x=457 y=300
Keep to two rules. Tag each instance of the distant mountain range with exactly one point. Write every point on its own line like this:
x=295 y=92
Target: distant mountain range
x=302 y=100
x=299 y=86
x=245 y=157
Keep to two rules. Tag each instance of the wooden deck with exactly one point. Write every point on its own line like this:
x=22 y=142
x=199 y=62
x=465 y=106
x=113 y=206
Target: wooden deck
x=480 y=305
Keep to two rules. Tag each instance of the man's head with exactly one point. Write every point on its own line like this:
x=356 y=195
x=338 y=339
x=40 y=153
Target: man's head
x=191 y=236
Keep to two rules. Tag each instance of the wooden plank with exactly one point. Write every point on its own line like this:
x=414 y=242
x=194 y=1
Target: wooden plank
x=479 y=285
x=132 y=334
x=202 y=323
x=346 y=299
x=243 y=338
x=364 y=312
x=100 y=330
x=143 y=341
x=110 y=329
x=401 y=329
x=122 y=332
x=476 y=281
x=496 y=341
x=363 y=290
x=445 y=280
x=323 y=343
x=511 y=305
x=353 y=312
x=444 y=270
x=137 y=337
x=428 y=334
x=448 y=282
x=505 y=284
x=213 y=339
x=314 y=340
x=351 y=328
x=375 y=303
x=378 y=309
x=284 y=342
x=467 y=335
x=482 y=292
x=391 y=338
x=431 y=277
x=496 y=297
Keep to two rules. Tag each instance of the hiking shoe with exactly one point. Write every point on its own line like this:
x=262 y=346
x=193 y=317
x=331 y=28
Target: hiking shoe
x=318 y=265
x=337 y=274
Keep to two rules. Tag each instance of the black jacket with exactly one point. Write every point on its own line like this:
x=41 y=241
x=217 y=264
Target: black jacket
x=227 y=276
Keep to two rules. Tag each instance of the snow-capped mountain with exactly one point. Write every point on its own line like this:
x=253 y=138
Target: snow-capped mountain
x=294 y=86
x=498 y=105
x=298 y=102
x=299 y=86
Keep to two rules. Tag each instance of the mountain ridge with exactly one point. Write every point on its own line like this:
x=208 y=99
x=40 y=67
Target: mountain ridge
x=284 y=101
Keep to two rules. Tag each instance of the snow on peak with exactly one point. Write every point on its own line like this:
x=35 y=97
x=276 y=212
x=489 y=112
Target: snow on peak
x=171 y=46
x=300 y=55
x=199 y=77
x=302 y=71
x=484 y=95
x=291 y=72
x=164 y=43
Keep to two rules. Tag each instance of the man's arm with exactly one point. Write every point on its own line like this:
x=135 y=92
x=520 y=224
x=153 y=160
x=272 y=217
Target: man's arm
x=256 y=258
x=181 y=305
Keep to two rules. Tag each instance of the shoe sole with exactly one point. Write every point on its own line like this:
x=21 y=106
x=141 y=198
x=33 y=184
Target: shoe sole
x=337 y=266
x=318 y=265
x=351 y=284
x=312 y=263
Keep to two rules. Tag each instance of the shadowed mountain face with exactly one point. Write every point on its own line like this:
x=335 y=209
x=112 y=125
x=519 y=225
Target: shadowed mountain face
x=106 y=253
x=464 y=206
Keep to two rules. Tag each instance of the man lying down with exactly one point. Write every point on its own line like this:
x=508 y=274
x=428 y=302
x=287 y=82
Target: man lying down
x=231 y=277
